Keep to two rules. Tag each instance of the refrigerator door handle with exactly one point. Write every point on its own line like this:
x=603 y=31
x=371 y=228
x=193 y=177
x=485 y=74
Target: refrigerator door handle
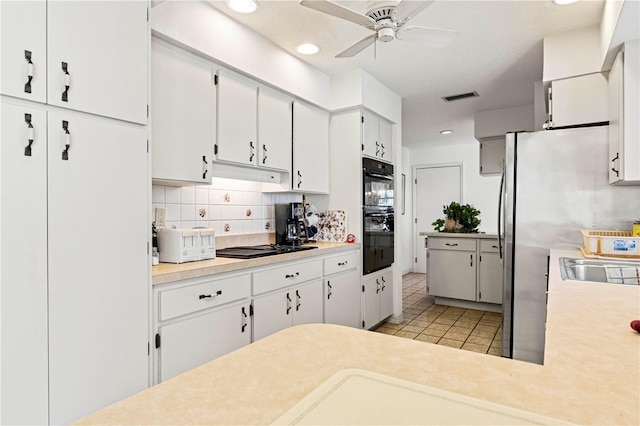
x=500 y=212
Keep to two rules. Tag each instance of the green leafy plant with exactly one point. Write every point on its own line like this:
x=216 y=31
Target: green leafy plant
x=458 y=218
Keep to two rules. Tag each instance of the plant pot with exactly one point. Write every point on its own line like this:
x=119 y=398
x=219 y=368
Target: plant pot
x=451 y=225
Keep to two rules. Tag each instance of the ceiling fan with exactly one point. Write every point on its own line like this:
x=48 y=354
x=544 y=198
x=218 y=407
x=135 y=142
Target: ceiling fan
x=388 y=20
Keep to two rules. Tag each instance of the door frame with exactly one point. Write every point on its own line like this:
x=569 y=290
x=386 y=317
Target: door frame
x=414 y=194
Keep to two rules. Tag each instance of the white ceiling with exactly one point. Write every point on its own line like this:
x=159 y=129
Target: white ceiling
x=498 y=54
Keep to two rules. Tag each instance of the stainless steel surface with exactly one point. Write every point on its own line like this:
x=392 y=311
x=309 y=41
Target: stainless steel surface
x=604 y=271
x=556 y=185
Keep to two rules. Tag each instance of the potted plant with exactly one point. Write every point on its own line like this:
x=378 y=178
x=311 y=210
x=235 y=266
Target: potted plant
x=458 y=218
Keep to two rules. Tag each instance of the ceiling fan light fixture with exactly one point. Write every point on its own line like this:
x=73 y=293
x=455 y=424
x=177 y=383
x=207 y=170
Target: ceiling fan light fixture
x=307 y=49
x=243 y=6
x=386 y=34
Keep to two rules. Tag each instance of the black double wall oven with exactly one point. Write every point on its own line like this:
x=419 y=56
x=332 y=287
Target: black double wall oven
x=377 y=206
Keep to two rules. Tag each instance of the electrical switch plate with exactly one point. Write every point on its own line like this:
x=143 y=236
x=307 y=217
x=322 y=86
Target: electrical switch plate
x=161 y=216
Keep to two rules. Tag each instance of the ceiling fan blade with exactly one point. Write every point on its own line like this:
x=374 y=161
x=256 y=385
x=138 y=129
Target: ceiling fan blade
x=405 y=10
x=432 y=37
x=339 y=11
x=358 y=47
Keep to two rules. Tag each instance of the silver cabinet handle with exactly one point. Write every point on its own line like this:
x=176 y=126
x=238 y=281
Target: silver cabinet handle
x=67 y=82
x=27 y=85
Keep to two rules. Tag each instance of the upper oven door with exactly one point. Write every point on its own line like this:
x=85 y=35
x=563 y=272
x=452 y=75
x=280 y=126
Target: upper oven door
x=378 y=190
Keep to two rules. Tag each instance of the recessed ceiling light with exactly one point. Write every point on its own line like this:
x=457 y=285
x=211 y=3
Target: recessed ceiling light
x=446 y=132
x=308 y=49
x=563 y=2
x=243 y=6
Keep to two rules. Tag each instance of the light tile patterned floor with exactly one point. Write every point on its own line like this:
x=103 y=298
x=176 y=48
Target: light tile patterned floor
x=469 y=329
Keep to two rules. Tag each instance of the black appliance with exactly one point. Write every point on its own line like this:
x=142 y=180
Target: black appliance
x=251 y=252
x=290 y=228
x=378 y=215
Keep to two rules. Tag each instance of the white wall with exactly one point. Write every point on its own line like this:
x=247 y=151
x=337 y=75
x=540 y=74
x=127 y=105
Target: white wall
x=199 y=27
x=479 y=191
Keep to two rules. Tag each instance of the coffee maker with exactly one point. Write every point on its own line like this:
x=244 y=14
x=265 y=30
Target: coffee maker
x=290 y=228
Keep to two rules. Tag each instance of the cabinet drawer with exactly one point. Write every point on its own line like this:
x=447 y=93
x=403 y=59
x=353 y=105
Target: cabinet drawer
x=342 y=262
x=192 y=298
x=286 y=276
x=463 y=244
x=489 y=246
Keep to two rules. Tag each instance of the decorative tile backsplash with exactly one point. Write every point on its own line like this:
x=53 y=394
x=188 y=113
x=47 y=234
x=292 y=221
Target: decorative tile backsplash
x=228 y=206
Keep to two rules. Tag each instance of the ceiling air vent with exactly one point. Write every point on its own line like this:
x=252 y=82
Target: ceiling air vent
x=461 y=96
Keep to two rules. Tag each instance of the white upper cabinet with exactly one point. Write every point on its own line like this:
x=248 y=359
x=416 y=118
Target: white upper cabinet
x=23 y=49
x=96 y=55
x=624 y=109
x=310 y=169
x=578 y=100
x=182 y=115
x=274 y=129
x=237 y=119
x=376 y=137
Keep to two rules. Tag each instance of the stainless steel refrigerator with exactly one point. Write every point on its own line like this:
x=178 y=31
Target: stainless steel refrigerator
x=555 y=183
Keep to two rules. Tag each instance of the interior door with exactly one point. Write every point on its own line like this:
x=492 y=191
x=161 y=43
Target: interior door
x=435 y=186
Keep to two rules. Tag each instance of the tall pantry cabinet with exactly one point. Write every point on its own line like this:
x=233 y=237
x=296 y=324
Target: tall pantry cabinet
x=74 y=185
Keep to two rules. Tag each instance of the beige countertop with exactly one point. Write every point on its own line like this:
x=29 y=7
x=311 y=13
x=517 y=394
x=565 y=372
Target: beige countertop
x=591 y=373
x=459 y=235
x=170 y=272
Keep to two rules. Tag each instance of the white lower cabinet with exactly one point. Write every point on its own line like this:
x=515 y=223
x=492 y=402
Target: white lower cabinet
x=489 y=273
x=198 y=320
x=464 y=268
x=196 y=340
x=377 y=289
x=342 y=290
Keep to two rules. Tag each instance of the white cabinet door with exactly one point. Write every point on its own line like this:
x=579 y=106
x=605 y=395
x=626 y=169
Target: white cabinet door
x=386 y=294
x=182 y=115
x=492 y=153
x=371 y=301
x=23 y=263
x=370 y=134
x=237 y=119
x=376 y=137
x=98 y=263
x=310 y=170
x=272 y=313
x=490 y=278
x=104 y=45
x=452 y=274
x=616 y=125
x=386 y=151
x=274 y=129
x=189 y=343
x=342 y=300
x=307 y=301
x=579 y=100
x=23 y=49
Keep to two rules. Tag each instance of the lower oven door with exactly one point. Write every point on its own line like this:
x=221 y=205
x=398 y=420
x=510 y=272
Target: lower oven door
x=377 y=242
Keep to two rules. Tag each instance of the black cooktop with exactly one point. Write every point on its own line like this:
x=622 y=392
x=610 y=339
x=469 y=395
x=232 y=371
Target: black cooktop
x=250 y=252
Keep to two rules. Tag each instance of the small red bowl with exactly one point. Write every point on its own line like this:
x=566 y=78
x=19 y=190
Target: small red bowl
x=635 y=325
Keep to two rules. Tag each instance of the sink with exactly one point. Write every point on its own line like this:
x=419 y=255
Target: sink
x=604 y=271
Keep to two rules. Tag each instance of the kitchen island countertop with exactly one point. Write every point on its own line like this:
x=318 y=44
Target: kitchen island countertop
x=170 y=272
x=591 y=373
x=479 y=235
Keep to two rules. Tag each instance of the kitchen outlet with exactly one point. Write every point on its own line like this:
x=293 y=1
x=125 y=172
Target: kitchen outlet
x=161 y=216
